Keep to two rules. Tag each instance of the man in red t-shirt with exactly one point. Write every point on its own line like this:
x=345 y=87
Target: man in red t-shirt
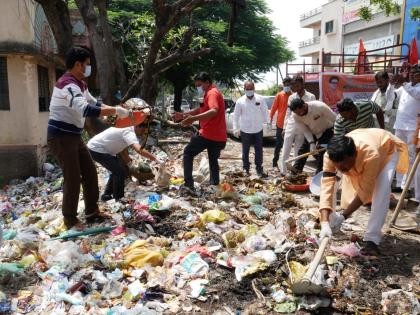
x=212 y=135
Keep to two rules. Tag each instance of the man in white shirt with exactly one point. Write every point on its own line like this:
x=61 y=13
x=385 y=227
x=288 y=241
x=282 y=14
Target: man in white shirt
x=104 y=148
x=293 y=135
x=387 y=98
x=316 y=120
x=406 y=122
x=250 y=115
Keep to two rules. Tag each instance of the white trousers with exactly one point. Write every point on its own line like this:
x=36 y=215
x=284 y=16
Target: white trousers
x=380 y=201
x=407 y=137
x=289 y=139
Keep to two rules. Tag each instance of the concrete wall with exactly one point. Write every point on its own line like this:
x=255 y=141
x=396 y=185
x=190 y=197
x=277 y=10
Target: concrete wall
x=378 y=31
x=332 y=42
x=16 y=21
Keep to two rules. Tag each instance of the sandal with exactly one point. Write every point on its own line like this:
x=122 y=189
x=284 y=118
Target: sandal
x=74 y=225
x=370 y=249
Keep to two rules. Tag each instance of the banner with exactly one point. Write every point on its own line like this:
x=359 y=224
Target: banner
x=410 y=27
x=334 y=87
x=351 y=9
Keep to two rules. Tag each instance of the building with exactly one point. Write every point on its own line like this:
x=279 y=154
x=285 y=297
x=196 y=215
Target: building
x=28 y=70
x=382 y=31
x=327 y=33
x=410 y=28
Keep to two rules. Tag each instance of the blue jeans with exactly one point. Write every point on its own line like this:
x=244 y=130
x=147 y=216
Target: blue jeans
x=114 y=164
x=255 y=139
x=197 y=145
x=279 y=145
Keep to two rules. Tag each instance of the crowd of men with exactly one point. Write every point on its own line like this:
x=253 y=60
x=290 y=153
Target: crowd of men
x=363 y=155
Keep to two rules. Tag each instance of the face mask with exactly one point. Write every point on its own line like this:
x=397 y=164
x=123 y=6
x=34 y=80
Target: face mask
x=286 y=89
x=249 y=93
x=200 y=89
x=88 y=71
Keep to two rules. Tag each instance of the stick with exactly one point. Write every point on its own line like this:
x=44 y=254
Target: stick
x=406 y=188
x=315 y=262
x=305 y=155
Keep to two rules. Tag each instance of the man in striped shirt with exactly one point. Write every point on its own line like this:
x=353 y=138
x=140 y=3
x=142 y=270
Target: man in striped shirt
x=355 y=115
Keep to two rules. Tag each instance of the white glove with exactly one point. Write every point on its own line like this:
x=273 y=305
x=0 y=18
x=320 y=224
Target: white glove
x=237 y=133
x=325 y=230
x=335 y=220
x=312 y=147
x=122 y=112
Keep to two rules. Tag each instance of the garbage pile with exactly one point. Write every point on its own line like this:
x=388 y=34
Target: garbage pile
x=233 y=249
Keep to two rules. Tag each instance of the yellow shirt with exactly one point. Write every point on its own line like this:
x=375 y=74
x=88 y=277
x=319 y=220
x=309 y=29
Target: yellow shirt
x=375 y=148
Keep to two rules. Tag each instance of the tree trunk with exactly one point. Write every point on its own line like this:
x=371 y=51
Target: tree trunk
x=178 y=97
x=58 y=17
x=101 y=41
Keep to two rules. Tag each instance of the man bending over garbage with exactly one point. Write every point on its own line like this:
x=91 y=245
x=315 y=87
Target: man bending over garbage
x=104 y=148
x=367 y=158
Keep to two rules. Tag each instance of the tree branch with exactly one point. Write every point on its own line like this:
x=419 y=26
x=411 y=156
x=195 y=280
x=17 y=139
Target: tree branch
x=165 y=63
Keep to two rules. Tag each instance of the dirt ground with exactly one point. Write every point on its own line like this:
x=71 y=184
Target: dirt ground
x=398 y=267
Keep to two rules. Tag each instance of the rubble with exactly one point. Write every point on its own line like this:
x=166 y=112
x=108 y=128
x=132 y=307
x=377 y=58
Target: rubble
x=231 y=249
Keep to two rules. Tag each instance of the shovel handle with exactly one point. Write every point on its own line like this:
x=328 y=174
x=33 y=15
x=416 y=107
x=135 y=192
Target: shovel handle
x=404 y=192
x=305 y=155
x=315 y=262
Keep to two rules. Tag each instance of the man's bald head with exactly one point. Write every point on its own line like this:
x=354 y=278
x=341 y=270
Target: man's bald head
x=249 y=85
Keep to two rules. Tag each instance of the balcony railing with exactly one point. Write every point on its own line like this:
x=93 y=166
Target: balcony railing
x=309 y=42
x=311 y=13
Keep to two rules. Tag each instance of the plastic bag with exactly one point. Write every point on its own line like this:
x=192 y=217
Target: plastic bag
x=260 y=211
x=138 y=255
x=350 y=250
x=252 y=199
x=233 y=238
x=163 y=177
x=215 y=216
x=254 y=243
x=64 y=254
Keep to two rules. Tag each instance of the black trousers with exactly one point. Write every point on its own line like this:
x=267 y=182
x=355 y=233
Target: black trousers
x=324 y=139
x=256 y=140
x=114 y=164
x=279 y=145
x=197 y=145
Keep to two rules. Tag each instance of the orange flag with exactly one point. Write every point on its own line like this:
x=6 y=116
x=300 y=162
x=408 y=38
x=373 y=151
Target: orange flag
x=413 y=58
x=361 y=66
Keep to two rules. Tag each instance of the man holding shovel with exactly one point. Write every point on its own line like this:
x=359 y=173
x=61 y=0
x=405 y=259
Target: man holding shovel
x=367 y=158
x=316 y=120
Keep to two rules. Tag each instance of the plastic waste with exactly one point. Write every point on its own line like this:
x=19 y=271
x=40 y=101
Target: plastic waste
x=194 y=265
x=350 y=250
x=214 y=216
x=233 y=238
x=252 y=199
x=254 y=243
x=112 y=289
x=297 y=271
x=312 y=303
x=278 y=294
x=162 y=177
x=268 y=256
x=64 y=254
x=7 y=234
x=11 y=268
x=284 y=222
x=48 y=167
x=198 y=287
x=260 y=211
x=139 y=254
x=286 y=307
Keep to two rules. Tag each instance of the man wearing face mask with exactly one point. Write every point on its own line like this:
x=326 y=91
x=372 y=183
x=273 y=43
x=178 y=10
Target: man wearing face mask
x=280 y=107
x=212 y=135
x=367 y=158
x=250 y=115
x=70 y=104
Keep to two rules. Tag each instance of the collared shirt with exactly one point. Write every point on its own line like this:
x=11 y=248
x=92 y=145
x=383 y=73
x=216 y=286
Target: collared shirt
x=250 y=114
x=374 y=148
x=388 y=101
x=214 y=128
x=280 y=106
x=113 y=140
x=364 y=118
x=319 y=118
x=289 y=122
x=408 y=108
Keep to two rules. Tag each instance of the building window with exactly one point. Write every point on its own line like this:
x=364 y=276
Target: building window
x=329 y=27
x=4 y=85
x=327 y=59
x=43 y=89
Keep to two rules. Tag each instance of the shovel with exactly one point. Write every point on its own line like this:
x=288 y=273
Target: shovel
x=305 y=284
x=314 y=152
x=401 y=200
